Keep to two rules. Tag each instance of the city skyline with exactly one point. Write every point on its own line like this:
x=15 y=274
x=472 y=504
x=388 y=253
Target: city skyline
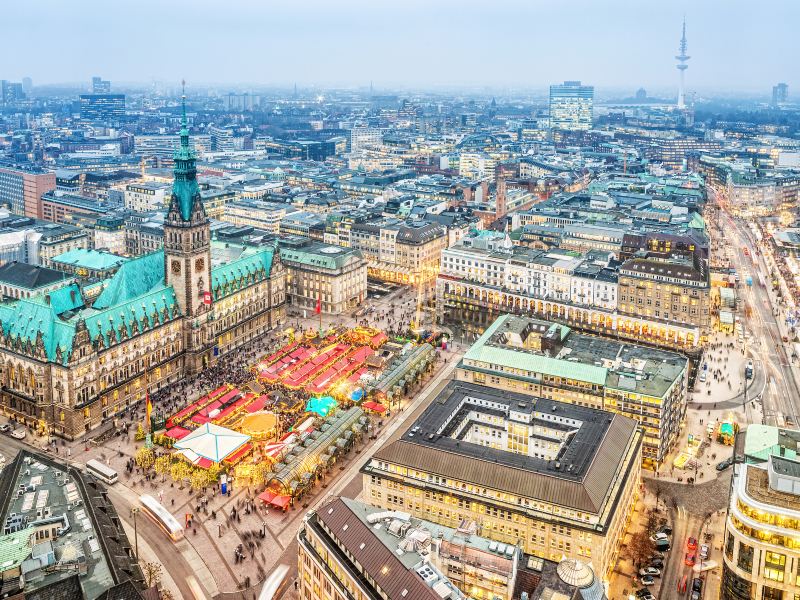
x=444 y=45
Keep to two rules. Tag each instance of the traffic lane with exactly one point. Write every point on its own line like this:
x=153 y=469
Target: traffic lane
x=164 y=548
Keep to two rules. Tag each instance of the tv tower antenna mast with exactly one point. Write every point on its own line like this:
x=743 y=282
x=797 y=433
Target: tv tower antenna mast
x=682 y=58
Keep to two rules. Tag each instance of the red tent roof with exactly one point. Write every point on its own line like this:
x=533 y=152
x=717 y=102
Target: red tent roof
x=266 y=496
x=177 y=433
x=281 y=501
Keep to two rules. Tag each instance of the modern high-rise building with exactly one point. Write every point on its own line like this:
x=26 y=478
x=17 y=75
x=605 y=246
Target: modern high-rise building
x=22 y=189
x=571 y=106
x=221 y=139
x=101 y=86
x=11 y=92
x=780 y=94
x=761 y=552
x=364 y=136
x=102 y=107
x=27 y=85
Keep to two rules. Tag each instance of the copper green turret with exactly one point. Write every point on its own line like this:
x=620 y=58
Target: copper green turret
x=185 y=190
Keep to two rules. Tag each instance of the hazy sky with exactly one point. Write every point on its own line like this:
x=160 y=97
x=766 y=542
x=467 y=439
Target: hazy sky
x=734 y=44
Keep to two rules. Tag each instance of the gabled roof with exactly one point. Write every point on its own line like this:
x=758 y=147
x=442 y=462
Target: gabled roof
x=249 y=263
x=66 y=298
x=28 y=317
x=30 y=277
x=134 y=278
x=149 y=306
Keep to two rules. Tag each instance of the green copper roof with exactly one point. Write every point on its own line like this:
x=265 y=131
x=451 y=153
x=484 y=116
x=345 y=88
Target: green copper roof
x=531 y=362
x=229 y=277
x=66 y=298
x=95 y=260
x=149 y=306
x=136 y=277
x=15 y=548
x=23 y=321
x=185 y=191
x=326 y=257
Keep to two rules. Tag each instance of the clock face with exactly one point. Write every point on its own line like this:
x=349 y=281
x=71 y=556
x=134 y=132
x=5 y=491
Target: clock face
x=199 y=265
x=176 y=266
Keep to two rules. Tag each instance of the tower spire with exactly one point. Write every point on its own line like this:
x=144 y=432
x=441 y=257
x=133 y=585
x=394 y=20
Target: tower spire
x=184 y=121
x=682 y=58
x=185 y=190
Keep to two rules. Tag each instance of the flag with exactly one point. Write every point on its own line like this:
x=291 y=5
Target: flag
x=148 y=407
x=318 y=307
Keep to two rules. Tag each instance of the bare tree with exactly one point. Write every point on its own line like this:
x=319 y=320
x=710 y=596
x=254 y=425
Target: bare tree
x=152 y=573
x=641 y=547
x=651 y=524
x=166 y=595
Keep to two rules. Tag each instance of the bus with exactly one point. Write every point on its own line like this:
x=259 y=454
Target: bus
x=100 y=471
x=161 y=517
x=276 y=584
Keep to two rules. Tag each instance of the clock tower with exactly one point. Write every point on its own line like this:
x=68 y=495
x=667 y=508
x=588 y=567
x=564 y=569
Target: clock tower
x=187 y=254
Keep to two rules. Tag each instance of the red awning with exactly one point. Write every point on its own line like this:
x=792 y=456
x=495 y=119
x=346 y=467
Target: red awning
x=204 y=462
x=232 y=458
x=266 y=496
x=178 y=433
x=374 y=406
x=281 y=501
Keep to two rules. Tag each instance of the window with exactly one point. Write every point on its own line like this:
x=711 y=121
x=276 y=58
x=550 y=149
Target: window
x=745 y=562
x=774 y=566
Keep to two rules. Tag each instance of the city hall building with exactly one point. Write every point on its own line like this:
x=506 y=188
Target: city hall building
x=555 y=479
x=73 y=358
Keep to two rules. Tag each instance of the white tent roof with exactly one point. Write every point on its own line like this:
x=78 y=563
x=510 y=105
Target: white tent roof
x=213 y=442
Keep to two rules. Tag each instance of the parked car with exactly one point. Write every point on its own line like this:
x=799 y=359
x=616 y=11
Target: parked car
x=652 y=571
x=658 y=563
x=697 y=584
x=665 y=529
x=691 y=544
x=721 y=466
x=659 y=537
x=704 y=551
x=644 y=594
x=657 y=556
x=647 y=580
x=5 y=428
x=695 y=596
x=18 y=434
x=663 y=546
x=689 y=559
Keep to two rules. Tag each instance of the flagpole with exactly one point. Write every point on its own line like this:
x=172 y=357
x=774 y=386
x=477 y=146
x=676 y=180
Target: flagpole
x=148 y=407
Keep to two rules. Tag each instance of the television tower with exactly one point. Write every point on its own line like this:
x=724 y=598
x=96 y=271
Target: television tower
x=682 y=66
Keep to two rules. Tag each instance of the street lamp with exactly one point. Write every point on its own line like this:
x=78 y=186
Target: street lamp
x=134 y=512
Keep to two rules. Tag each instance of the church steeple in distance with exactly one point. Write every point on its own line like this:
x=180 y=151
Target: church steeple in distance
x=185 y=191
